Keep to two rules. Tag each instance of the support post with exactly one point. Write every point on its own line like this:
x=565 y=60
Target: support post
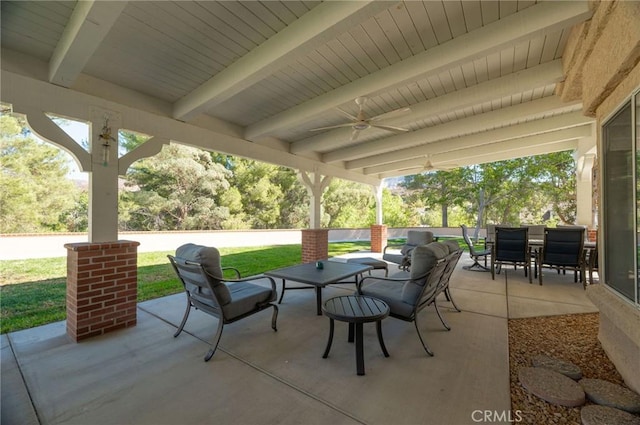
x=378 y=237
x=102 y=287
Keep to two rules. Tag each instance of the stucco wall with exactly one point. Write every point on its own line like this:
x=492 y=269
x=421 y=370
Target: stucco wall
x=602 y=67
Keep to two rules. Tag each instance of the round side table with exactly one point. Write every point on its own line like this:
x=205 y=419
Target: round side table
x=356 y=310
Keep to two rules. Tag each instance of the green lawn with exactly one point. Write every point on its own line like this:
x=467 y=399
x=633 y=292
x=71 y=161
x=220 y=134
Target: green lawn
x=33 y=292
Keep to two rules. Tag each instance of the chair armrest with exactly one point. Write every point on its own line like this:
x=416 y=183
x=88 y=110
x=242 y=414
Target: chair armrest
x=388 y=279
x=254 y=278
x=398 y=246
x=238 y=276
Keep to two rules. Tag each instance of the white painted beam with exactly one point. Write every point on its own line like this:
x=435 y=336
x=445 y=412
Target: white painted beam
x=533 y=21
x=149 y=148
x=25 y=93
x=518 y=82
x=522 y=143
x=474 y=124
x=471 y=141
x=320 y=24
x=88 y=25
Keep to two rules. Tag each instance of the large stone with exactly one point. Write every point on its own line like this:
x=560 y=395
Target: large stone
x=552 y=386
x=604 y=415
x=609 y=394
x=561 y=366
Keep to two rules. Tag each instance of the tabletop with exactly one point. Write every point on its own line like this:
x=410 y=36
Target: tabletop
x=331 y=272
x=356 y=308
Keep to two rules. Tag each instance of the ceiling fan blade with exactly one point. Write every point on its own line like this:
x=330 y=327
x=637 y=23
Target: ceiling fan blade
x=332 y=127
x=390 y=128
x=354 y=135
x=346 y=114
x=390 y=114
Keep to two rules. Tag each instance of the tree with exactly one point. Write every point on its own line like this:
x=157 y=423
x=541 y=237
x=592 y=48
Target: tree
x=179 y=188
x=505 y=192
x=35 y=190
x=346 y=204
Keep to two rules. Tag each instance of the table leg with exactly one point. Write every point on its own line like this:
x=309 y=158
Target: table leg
x=282 y=293
x=319 y=300
x=350 y=337
x=326 y=350
x=359 y=350
x=379 y=330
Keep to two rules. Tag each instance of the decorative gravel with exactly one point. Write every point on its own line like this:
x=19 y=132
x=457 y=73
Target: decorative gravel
x=573 y=338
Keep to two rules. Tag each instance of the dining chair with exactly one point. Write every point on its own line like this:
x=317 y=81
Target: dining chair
x=511 y=246
x=563 y=249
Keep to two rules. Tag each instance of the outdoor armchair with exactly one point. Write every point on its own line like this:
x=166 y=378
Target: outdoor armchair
x=475 y=254
x=414 y=239
x=563 y=249
x=229 y=300
x=511 y=246
x=431 y=268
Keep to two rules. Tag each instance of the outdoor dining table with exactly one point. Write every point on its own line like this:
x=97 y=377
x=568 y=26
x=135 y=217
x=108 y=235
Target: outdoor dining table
x=318 y=274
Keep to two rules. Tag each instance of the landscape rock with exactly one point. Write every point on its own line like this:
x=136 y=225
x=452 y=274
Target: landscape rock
x=561 y=366
x=608 y=394
x=604 y=415
x=552 y=386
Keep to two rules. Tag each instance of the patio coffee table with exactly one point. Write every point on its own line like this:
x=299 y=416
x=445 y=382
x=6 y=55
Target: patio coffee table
x=356 y=310
x=331 y=272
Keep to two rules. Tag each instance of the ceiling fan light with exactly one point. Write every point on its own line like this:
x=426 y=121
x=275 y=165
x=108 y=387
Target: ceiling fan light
x=361 y=126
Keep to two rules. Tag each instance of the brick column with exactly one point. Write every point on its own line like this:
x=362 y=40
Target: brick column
x=378 y=237
x=315 y=245
x=592 y=235
x=102 y=287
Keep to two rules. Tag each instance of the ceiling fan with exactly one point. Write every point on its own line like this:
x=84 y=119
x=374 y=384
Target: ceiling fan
x=360 y=122
x=428 y=166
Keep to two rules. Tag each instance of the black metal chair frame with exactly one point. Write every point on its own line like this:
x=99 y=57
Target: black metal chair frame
x=475 y=255
x=570 y=247
x=511 y=250
x=437 y=281
x=193 y=273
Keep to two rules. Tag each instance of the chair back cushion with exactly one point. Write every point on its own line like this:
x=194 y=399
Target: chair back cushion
x=512 y=244
x=415 y=238
x=423 y=259
x=209 y=259
x=563 y=246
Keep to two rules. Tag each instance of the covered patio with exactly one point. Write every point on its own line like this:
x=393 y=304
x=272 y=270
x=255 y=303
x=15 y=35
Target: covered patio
x=485 y=81
x=143 y=375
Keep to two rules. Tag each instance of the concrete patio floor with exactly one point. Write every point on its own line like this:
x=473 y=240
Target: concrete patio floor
x=142 y=375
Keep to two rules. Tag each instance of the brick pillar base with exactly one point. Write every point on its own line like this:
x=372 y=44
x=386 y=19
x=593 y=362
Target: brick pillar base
x=315 y=245
x=592 y=235
x=378 y=237
x=102 y=287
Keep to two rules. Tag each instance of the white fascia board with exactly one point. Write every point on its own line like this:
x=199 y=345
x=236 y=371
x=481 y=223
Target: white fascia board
x=35 y=96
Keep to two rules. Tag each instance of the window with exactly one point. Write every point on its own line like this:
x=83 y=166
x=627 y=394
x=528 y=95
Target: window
x=621 y=195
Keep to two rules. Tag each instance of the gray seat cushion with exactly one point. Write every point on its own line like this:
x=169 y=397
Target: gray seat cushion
x=245 y=297
x=391 y=293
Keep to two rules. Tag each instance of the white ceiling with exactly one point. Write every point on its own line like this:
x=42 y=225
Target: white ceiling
x=478 y=76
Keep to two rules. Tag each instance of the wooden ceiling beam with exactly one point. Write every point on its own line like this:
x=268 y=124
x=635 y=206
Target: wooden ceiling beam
x=315 y=27
x=533 y=21
x=89 y=24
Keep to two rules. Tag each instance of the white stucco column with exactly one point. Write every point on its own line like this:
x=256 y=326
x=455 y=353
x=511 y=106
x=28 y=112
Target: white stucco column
x=103 y=178
x=585 y=157
x=315 y=184
x=377 y=194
